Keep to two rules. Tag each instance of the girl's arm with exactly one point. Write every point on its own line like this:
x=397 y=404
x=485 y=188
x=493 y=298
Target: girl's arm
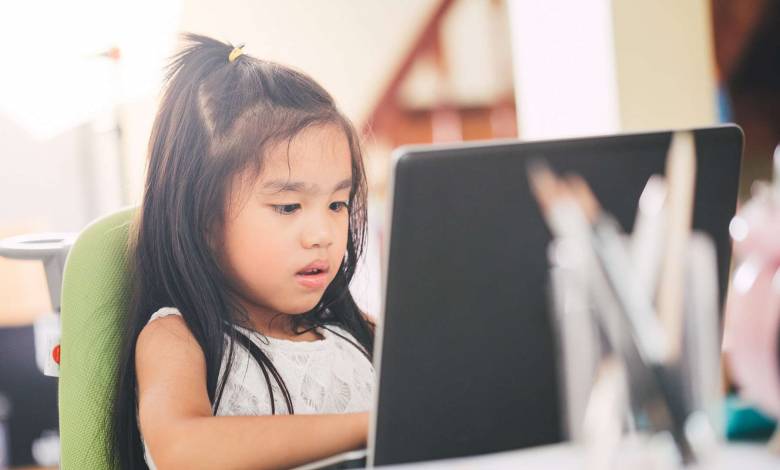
x=177 y=425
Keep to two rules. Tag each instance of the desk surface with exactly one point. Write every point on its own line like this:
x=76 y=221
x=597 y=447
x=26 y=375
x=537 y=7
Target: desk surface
x=569 y=456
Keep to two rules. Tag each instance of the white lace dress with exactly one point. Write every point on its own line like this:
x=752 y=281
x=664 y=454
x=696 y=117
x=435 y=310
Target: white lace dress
x=326 y=376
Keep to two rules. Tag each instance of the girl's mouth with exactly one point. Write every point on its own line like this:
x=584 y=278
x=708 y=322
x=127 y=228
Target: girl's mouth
x=311 y=271
x=312 y=279
x=313 y=276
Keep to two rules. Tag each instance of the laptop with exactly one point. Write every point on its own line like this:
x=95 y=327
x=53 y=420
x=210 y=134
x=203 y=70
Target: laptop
x=466 y=354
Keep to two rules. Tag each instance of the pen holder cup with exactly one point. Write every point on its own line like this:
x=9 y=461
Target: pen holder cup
x=583 y=345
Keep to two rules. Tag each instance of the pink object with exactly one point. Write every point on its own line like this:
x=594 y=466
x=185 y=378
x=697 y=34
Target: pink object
x=751 y=340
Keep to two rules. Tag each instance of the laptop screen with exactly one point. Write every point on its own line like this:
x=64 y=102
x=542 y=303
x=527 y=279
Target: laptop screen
x=467 y=355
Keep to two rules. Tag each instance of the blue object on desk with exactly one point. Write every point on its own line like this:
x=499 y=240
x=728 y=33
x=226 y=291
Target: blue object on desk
x=744 y=422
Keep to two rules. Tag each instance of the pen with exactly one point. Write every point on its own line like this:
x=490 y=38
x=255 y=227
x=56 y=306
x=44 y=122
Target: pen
x=623 y=308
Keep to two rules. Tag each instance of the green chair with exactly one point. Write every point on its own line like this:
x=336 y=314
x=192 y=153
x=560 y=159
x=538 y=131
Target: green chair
x=95 y=295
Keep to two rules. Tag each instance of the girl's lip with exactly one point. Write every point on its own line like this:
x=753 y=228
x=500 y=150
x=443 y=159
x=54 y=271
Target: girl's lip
x=312 y=281
x=322 y=265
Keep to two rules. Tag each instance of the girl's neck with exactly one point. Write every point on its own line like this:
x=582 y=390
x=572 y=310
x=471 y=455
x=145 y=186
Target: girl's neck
x=276 y=325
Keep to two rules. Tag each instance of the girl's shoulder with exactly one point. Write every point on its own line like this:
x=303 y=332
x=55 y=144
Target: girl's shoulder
x=164 y=322
x=167 y=338
x=164 y=312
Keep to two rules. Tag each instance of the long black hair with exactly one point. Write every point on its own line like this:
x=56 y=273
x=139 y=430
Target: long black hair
x=215 y=118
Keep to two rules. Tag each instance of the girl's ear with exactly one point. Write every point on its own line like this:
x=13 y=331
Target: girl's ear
x=214 y=237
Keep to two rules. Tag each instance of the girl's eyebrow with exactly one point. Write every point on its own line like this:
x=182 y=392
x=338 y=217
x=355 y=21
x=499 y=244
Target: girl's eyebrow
x=280 y=186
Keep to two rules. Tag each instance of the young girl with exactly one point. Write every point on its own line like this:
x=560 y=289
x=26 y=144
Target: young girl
x=244 y=347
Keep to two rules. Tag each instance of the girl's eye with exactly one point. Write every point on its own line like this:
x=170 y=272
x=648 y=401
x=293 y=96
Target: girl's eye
x=337 y=206
x=286 y=209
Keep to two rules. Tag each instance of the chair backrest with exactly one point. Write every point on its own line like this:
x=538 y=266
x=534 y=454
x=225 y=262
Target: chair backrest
x=95 y=295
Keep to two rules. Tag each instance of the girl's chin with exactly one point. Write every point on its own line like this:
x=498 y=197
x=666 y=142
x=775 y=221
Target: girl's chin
x=301 y=308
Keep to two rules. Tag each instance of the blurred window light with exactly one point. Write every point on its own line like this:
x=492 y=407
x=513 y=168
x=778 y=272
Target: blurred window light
x=565 y=76
x=67 y=61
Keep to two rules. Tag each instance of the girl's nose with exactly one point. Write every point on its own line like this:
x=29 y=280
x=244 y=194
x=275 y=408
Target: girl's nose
x=318 y=233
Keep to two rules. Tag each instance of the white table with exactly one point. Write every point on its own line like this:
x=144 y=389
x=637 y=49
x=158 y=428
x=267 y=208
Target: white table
x=736 y=456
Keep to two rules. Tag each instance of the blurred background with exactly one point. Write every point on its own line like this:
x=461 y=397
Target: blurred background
x=81 y=80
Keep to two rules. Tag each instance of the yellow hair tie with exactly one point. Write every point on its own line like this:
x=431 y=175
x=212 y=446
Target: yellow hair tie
x=237 y=51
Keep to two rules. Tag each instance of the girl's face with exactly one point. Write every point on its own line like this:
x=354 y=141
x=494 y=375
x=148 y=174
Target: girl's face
x=286 y=231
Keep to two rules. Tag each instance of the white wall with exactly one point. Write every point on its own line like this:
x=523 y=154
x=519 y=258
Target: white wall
x=40 y=181
x=564 y=68
x=606 y=66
